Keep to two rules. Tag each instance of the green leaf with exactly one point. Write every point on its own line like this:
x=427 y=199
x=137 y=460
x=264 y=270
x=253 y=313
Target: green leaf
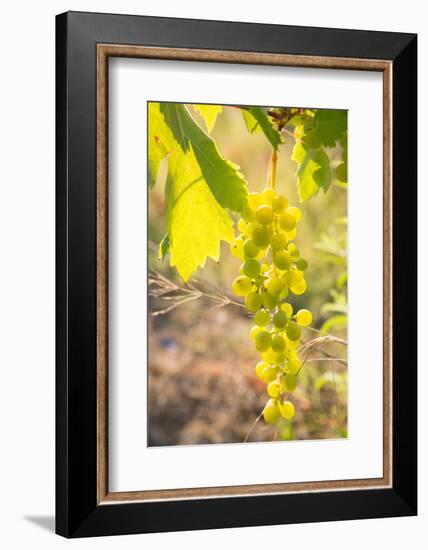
x=250 y=122
x=335 y=322
x=196 y=222
x=209 y=114
x=313 y=170
x=305 y=171
x=311 y=140
x=330 y=125
x=163 y=247
x=222 y=176
x=342 y=168
x=261 y=117
x=161 y=141
x=322 y=176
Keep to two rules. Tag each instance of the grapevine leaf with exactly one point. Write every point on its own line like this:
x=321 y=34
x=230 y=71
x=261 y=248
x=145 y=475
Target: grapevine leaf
x=330 y=125
x=163 y=247
x=344 y=144
x=161 y=141
x=225 y=181
x=265 y=124
x=313 y=170
x=250 y=122
x=322 y=176
x=305 y=171
x=342 y=168
x=196 y=222
x=209 y=114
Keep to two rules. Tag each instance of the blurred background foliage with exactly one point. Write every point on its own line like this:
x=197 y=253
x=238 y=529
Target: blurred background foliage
x=202 y=385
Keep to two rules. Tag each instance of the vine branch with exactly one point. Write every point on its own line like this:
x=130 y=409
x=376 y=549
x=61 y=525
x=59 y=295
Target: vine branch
x=163 y=288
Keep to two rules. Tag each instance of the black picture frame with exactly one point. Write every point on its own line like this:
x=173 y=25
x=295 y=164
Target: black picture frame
x=78 y=513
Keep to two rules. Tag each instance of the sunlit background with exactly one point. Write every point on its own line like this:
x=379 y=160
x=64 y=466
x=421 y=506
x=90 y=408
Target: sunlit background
x=201 y=380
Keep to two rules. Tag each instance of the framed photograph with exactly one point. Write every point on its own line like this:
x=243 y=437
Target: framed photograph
x=236 y=274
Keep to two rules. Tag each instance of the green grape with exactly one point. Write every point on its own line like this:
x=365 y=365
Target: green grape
x=280 y=319
x=274 y=388
x=286 y=410
x=274 y=286
x=254 y=200
x=271 y=412
x=302 y=264
x=249 y=228
x=290 y=235
x=291 y=344
x=254 y=331
x=278 y=242
x=293 y=331
x=282 y=260
x=253 y=301
x=271 y=268
x=251 y=268
x=293 y=366
x=293 y=250
x=284 y=292
x=293 y=276
x=279 y=204
x=282 y=356
x=270 y=356
x=298 y=288
x=269 y=196
x=270 y=229
x=250 y=249
x=262 y=318
x=263 y=340
x=287 y=309
x=260 y=367
x=268 y=300
x=261 y=237
x=278 y=343
x=294 y=211
x=291 y=349
x=289 y=382
x=264 y=214
x=270 y=373
x=304 y=317
x=297 y=274
x=287 y=221
x=242 y=285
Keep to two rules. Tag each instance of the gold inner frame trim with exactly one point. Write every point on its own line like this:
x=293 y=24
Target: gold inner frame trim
x=104 y=51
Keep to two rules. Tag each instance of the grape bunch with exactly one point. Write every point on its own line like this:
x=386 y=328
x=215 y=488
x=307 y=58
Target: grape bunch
x=271 y=270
